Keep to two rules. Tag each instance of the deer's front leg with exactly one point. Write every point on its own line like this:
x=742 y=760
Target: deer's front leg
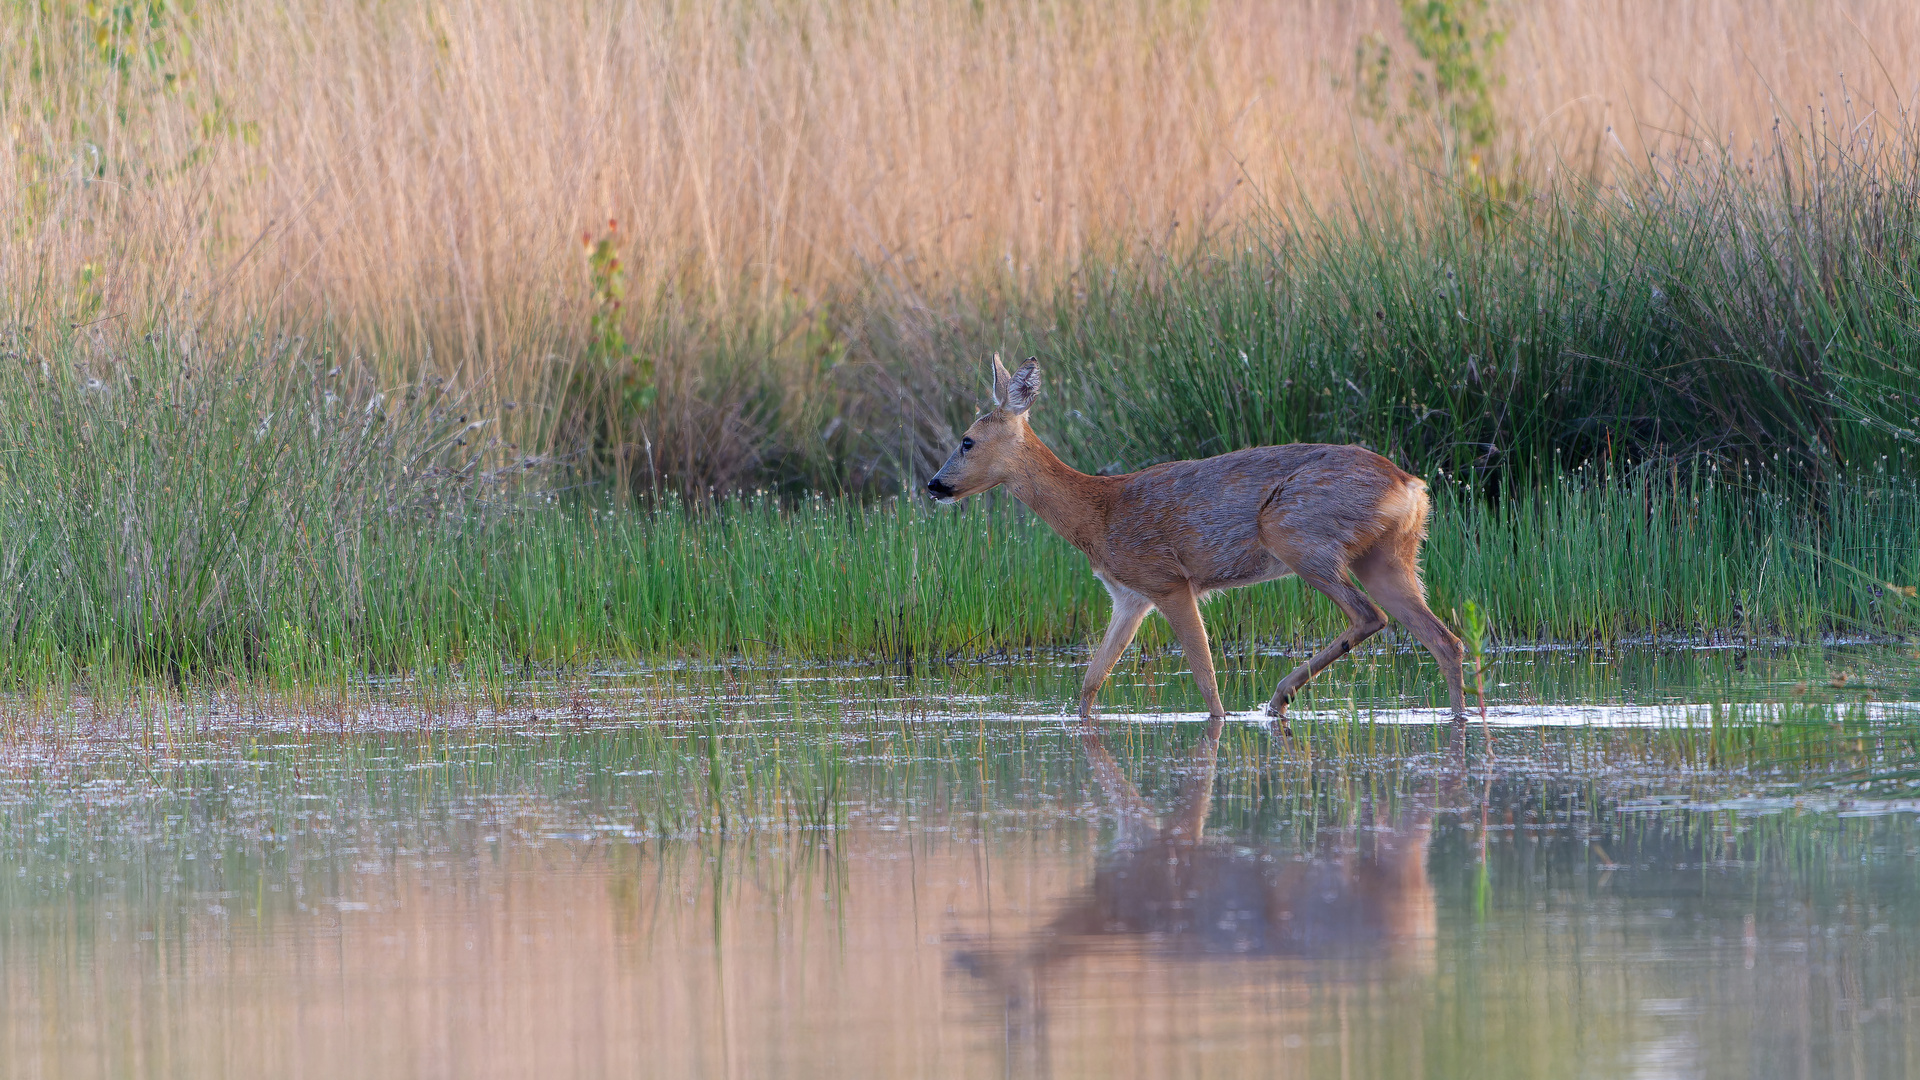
x=1183 y=611
x=1129 y=608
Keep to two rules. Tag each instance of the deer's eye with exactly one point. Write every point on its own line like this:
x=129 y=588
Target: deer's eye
x=966 y=445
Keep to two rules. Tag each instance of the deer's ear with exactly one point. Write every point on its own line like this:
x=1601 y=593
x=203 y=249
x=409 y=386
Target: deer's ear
x=1022 y=387
x=1000 y=381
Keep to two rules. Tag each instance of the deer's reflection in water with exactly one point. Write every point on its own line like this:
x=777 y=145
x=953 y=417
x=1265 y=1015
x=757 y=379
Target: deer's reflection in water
x=1357 y=904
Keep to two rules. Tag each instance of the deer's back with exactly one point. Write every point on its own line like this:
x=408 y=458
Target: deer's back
x=1200 y=520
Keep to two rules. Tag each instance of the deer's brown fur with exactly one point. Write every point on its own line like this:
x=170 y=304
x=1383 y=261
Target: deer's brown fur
x=1166 y=537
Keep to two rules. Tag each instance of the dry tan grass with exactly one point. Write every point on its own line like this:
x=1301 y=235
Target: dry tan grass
x=422 y=174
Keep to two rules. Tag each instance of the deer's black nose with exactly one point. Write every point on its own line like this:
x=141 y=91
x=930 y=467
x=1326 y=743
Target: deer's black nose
x=940 y=488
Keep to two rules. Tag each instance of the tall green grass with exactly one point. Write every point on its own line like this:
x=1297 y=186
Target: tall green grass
x=185 y=522
x=1757 y=309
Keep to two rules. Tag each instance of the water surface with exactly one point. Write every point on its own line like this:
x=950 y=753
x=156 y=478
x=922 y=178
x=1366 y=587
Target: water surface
x=750 y=870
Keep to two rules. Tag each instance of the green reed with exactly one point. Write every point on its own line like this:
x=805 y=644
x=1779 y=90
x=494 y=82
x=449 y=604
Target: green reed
x=289 y=578
x=1753 y=307
x=1704 y=315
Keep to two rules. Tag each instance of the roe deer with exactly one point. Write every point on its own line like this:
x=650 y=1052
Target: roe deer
x=1168 y=536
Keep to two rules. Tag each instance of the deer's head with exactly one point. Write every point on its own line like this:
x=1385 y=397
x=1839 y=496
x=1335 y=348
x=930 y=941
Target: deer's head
x=991 y=449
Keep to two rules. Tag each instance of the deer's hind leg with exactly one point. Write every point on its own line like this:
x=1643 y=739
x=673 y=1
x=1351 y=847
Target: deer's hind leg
x=1329 y=575
x=1392 y=576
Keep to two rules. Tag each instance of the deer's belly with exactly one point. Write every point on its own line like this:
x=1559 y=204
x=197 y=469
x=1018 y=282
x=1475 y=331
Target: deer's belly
x=1260 y=566
x=1161 y=576
x=1206 y=559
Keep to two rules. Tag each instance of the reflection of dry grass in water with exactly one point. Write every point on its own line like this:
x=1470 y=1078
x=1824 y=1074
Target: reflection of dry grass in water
x=563 y=959
x=578 y=960
x=423 y=174
x=748 y=958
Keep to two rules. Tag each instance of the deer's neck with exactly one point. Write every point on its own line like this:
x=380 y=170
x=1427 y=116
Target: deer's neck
x=1074 y=503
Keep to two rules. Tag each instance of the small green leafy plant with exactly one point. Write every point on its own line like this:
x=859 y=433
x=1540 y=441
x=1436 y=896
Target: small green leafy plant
x=1447 y=111
x=1474 y=622
x=631 y=373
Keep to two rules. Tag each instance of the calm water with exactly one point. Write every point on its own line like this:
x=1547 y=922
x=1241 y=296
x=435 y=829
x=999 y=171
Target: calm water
x=753 y=872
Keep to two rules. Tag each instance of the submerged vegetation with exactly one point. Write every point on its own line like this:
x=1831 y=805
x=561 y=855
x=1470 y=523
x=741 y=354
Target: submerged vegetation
x=692 y=749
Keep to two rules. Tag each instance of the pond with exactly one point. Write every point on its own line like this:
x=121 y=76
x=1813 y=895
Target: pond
x=1669 y=862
